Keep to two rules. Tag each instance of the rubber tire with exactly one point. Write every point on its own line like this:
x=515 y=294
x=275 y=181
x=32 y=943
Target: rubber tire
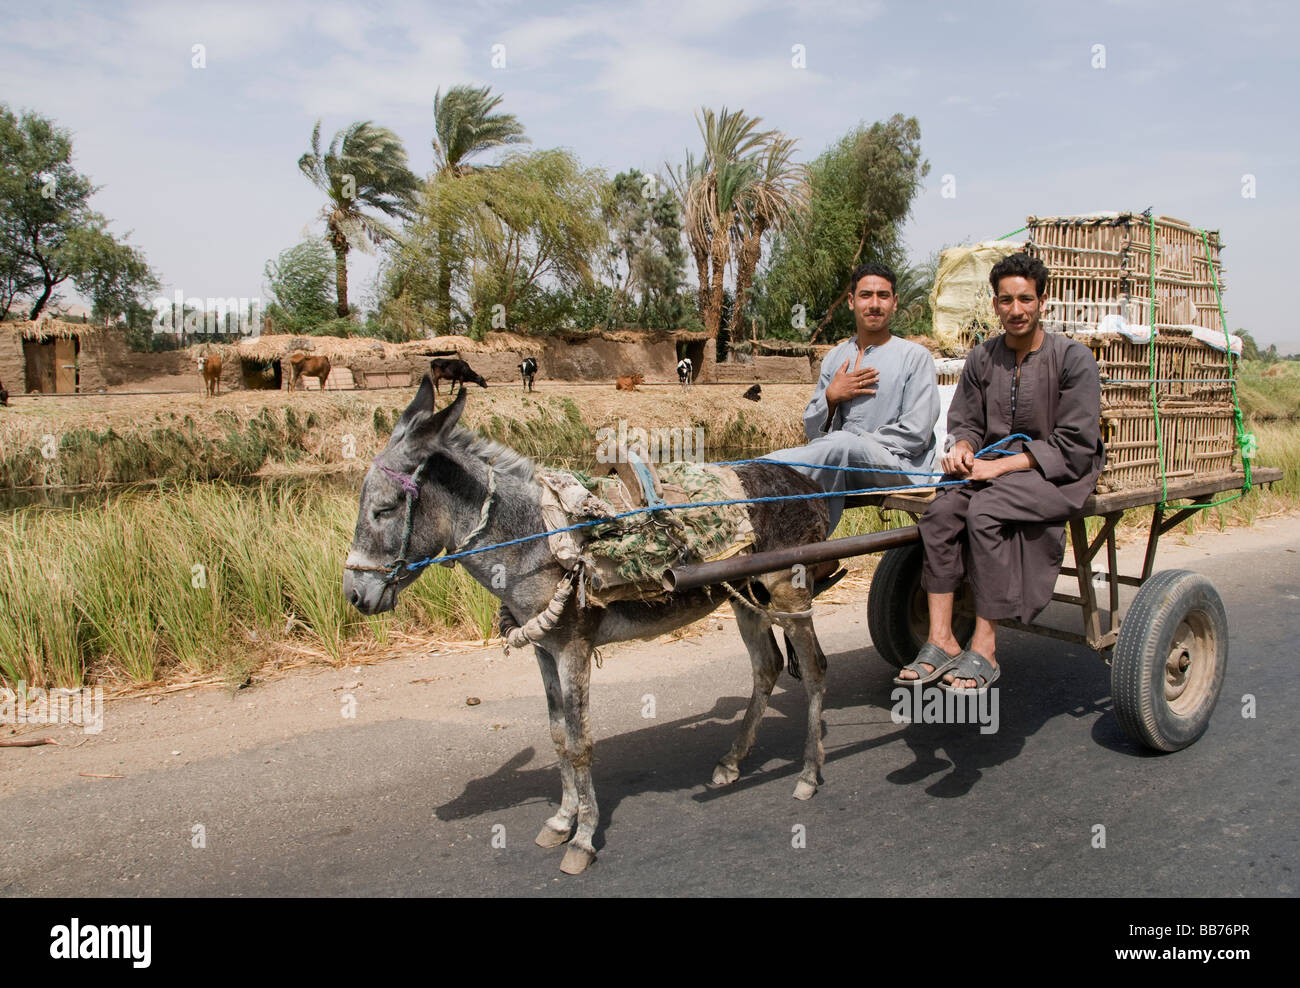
x=897 y=614
x=1138 y=667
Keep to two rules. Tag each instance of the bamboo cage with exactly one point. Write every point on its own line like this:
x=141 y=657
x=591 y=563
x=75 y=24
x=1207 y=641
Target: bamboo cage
x=1194 y=440
x=1186 y=370
x=1102 y=264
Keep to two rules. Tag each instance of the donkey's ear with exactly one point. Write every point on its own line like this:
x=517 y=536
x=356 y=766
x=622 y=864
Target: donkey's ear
x=420 y=425
x=420 y=408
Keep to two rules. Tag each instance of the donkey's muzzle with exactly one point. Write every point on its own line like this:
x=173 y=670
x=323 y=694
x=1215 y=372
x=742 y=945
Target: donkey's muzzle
x=370 y=593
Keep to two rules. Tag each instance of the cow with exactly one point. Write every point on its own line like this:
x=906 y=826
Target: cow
x=628 y=382
x=528 y=368
x=455 y=371
x=684 y=368
x=210 y=371
x=304 y=365
x=753 y=394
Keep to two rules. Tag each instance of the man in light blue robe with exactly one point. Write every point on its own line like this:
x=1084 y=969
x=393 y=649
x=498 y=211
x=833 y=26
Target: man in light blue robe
x=876 y=403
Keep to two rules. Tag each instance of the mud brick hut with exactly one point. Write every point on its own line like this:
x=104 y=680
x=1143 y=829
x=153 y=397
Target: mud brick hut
x=52 y=357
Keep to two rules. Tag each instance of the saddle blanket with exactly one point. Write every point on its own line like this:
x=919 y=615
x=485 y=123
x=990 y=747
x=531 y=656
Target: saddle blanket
x=624 y=559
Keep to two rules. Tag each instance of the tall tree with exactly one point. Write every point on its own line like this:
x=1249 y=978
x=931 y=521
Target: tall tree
x=464 y=126
x=363 y=173
x=777 y=194
x=863 y=189
x=712 y=191
x=645 y=261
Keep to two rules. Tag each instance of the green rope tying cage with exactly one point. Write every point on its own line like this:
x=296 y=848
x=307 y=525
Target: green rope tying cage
x=1246 y=442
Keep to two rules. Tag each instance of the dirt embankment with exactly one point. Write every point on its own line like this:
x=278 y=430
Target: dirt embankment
x=57 y=441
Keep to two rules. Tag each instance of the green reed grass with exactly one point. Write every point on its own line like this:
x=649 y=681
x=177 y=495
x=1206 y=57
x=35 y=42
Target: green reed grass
x=198 y=580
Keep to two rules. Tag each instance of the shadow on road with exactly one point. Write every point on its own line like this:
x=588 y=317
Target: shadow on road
x=1042 y=680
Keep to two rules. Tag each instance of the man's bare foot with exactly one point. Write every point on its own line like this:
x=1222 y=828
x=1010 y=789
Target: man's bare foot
x=971 y=684
x=951 y=648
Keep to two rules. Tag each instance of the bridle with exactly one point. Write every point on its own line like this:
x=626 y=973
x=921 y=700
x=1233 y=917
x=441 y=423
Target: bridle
x=410 y=484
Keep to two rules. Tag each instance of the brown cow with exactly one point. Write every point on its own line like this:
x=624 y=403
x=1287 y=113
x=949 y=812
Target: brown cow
x=628 y=382
x=210 y=369
x=307 y=366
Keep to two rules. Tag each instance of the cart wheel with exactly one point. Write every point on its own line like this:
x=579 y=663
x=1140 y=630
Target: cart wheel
x=1169 y=660
x=898 y=615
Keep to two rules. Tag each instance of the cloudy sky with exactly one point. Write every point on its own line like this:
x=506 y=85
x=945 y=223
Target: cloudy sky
x=1013 y=101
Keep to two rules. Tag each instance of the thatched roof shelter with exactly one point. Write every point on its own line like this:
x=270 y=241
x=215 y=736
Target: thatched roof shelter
x=56 y=328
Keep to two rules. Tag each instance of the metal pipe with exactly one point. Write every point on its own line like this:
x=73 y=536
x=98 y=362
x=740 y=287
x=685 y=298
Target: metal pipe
x=754 y=563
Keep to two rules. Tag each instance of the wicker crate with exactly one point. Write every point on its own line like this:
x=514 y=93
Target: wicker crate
x=1186 y=370
x=1195 y=440
x=1120 y=244
x=1102 y=265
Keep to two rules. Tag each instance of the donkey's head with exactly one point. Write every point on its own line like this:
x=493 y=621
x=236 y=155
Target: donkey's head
x=413 y=494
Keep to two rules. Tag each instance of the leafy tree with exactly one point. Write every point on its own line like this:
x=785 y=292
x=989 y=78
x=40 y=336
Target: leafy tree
x=1249 y=348
x=464 y=127
x=645 y=261
x=528 y=226
x=48 y=232
x=363 y=173
x=862 y=191
x=18 y=277
x=301 y=286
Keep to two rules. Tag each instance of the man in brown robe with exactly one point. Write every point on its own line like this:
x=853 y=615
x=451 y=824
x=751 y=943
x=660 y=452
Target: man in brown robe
x=1010 y=516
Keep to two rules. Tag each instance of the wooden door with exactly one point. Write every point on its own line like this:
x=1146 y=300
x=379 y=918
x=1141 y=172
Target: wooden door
x=40 y=366
x=65 y=366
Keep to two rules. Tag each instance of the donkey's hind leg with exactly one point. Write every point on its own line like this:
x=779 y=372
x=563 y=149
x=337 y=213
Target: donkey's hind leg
x=796 y=602
x=557 y=829
x=813 y=662
x=767 y=662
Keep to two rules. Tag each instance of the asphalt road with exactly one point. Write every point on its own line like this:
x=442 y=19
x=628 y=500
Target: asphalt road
x=409 y=803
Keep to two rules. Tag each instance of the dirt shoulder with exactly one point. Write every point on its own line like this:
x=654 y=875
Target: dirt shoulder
x=188 y=724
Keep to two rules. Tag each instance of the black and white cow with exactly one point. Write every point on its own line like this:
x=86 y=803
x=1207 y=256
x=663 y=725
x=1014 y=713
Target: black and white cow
x=528 y=368
x=684 y=368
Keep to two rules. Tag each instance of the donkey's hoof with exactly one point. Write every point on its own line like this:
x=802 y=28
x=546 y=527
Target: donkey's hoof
x=549 y=837
x=577 y=860
x=725 y=775
x=805 y=790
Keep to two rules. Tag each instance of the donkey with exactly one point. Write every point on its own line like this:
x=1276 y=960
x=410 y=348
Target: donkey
x=437 y=487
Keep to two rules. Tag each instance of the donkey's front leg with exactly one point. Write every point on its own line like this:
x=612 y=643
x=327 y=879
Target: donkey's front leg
x=575 y=685
x=557 y=829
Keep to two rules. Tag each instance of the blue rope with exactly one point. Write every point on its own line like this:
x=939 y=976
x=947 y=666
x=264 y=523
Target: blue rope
x=991 y=448
x=994 y=448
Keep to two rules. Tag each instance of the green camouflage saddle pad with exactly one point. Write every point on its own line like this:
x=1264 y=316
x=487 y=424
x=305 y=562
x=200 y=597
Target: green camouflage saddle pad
x=625 y=558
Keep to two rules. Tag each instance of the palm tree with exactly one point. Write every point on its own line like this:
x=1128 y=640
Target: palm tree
x=712 y=192
x=464 y=126
x=778 y=192
x=364 y=169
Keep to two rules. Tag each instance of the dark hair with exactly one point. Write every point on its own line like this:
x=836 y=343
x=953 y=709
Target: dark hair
x=872 y=267
x=1020 y=266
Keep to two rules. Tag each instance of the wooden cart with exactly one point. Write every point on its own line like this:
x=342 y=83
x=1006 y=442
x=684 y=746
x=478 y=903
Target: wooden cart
x=1167 y=654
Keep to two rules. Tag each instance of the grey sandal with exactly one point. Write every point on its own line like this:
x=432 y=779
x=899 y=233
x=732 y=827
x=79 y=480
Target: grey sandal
x=972 y=665
x=931 y=655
